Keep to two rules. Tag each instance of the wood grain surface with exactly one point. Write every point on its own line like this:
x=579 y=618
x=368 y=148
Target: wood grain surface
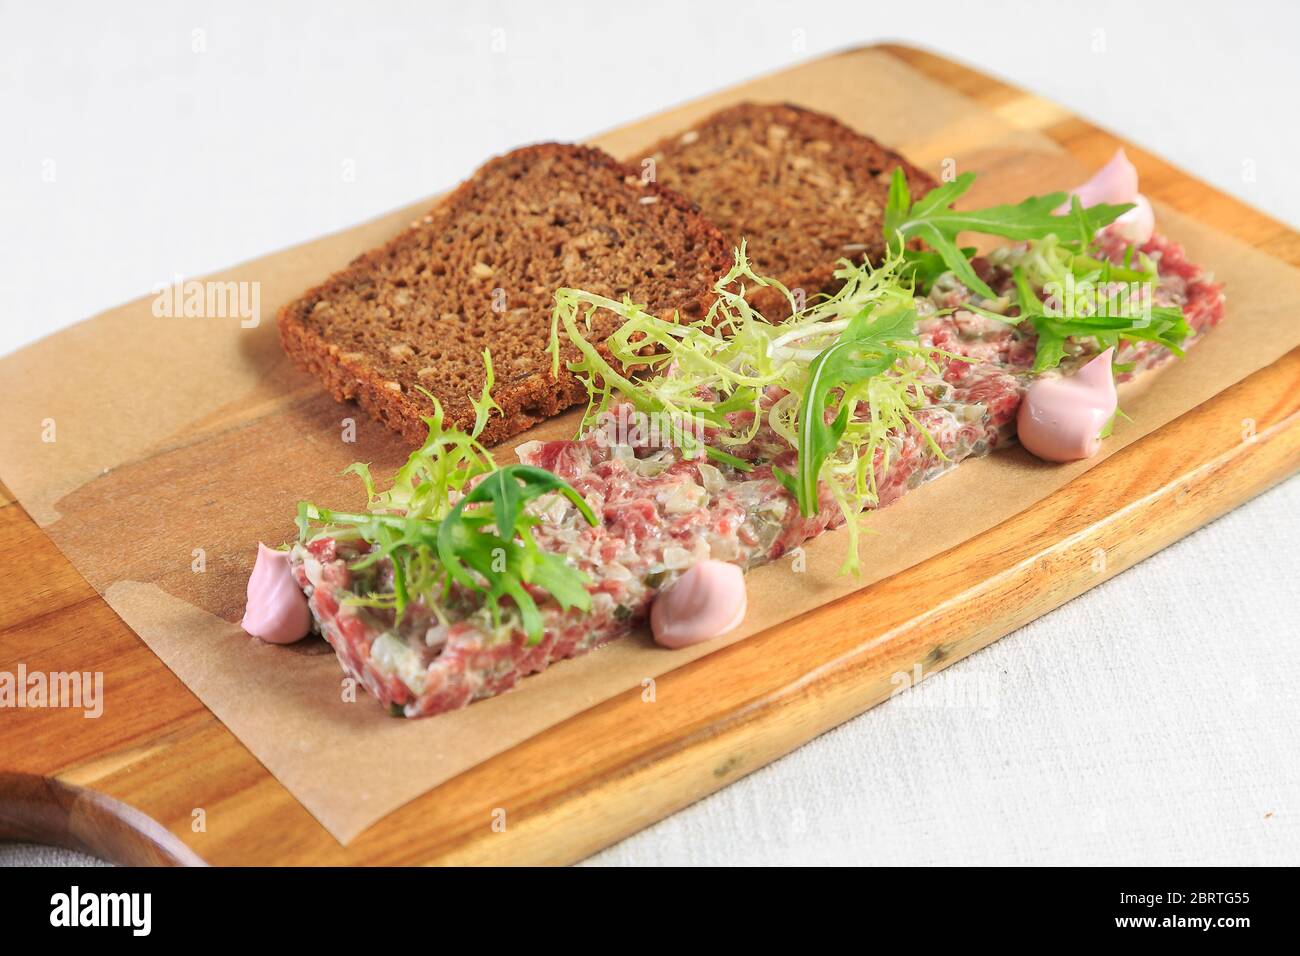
x=165 y=782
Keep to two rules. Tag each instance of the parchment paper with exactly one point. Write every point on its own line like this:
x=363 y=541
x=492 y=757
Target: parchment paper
x=180 y=443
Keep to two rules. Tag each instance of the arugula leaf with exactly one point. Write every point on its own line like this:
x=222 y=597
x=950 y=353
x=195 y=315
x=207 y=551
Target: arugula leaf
x=1165 y=325
x=1057 y=263
x=923 y=266
x=868 y=347
x=933 y=220
x=483 y=540
x=497 y=543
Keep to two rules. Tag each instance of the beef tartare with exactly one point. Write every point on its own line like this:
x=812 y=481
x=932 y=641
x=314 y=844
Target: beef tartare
x=734 y=488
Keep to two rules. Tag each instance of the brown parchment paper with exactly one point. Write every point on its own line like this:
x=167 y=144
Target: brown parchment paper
x=180 y=439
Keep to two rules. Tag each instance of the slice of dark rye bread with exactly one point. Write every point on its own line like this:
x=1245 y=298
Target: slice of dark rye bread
x=802 y=188
x=480 y=271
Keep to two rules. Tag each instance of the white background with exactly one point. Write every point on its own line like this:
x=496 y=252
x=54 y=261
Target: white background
x=1154 y=720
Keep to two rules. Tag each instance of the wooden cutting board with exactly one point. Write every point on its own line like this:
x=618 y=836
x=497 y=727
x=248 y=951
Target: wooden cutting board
x=126 y=788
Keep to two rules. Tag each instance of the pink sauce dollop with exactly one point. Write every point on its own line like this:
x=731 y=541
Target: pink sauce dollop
x=1116 y=183
x=1061 y=418
x=277 y=609
x=706 y=602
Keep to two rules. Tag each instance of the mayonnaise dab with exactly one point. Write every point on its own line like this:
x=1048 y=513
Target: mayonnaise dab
x=706 y=602
x=1061 y=419
x=1117 y=183
x=277 y=609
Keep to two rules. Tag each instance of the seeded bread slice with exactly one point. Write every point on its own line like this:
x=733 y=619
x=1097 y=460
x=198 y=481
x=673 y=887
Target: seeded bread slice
x=480 y=271
x=802 y=188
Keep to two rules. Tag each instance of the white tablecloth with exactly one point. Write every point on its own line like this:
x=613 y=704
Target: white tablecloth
x=1153 y=720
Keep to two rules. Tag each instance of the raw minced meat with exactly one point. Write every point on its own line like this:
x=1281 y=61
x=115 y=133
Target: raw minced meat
x=660 y=513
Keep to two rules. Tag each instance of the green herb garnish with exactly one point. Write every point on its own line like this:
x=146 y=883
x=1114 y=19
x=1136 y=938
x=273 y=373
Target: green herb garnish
x=933 y=220
x=1078 y=303
x=496 y=542
x=433 y=533
x=1056 y=248
x=1164 y=325
x=707 y=379
x=682 y=412
x=852 y=368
